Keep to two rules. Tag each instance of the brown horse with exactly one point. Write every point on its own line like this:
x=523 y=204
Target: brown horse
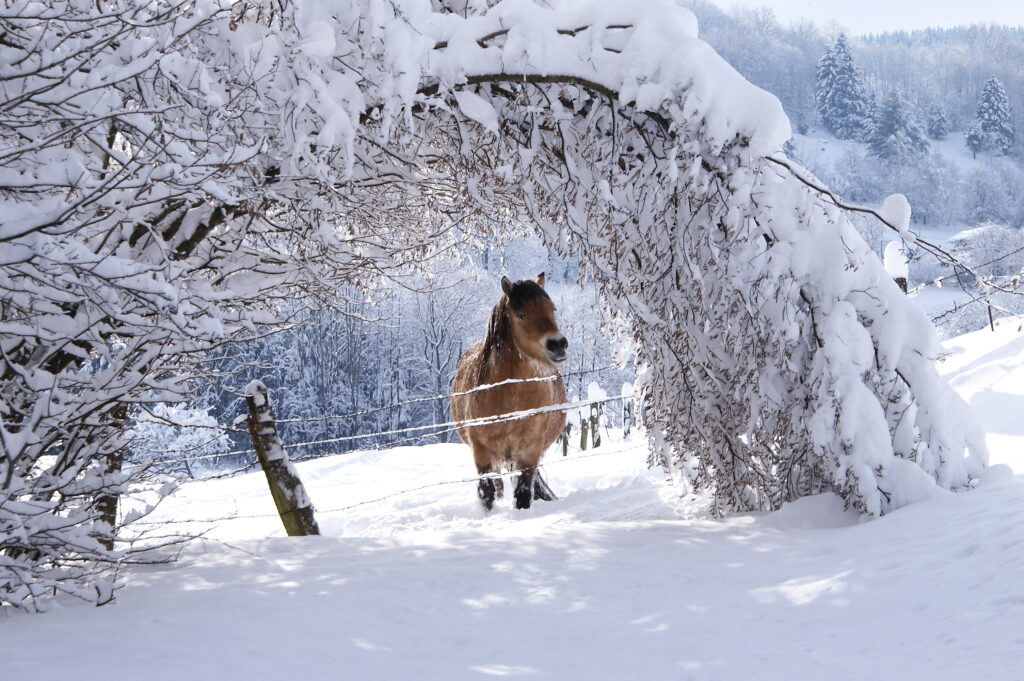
x=522 y=341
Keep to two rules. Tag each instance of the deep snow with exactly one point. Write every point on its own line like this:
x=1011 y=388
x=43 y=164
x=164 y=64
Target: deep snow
x=616 y=580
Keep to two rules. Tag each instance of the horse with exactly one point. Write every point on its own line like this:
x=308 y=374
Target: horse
x=522 y=341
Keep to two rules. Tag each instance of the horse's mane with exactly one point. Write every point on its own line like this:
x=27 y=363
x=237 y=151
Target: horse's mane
x=499 y=328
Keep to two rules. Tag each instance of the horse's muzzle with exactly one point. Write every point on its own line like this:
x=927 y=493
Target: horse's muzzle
x=557 y=349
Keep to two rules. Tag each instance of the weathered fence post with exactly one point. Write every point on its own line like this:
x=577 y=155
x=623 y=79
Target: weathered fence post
x=627 y=416
x=595 y=418
x=564 y=438
x=584 y=426
x=290 y=496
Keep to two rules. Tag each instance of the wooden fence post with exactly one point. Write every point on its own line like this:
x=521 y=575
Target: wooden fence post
x=564 y=438
x=290 y=496
x=595 y=420
x=627 y=416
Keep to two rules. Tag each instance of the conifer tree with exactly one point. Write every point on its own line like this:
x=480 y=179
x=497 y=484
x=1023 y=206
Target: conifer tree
x=937 y=125
x=976 y=138
x=839 y=96
x=994 y=119
x=895 y=135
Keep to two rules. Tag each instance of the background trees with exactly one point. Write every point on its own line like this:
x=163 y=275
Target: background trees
x=894 y=134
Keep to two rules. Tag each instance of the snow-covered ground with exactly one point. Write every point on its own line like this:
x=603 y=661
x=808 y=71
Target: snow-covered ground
x=616 y=580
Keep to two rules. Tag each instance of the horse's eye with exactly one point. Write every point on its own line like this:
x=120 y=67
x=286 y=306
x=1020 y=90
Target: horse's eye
x=520 y=316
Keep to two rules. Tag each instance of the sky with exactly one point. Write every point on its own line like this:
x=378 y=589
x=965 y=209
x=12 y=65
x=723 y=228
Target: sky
x=876 y=16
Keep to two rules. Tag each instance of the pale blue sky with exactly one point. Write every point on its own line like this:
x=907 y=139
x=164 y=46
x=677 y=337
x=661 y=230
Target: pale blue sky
x=876 y=16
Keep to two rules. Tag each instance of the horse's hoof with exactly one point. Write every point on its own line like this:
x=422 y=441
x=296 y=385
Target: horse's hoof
x=523 y=500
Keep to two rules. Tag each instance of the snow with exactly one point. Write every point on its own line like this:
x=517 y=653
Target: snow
x=896 y=211
x=616 y=580
x=478 y=109
x=895 y=260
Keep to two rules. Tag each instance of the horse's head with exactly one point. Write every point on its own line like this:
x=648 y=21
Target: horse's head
x=531 y=320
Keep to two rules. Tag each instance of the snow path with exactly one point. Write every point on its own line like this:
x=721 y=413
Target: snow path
x=613 y=581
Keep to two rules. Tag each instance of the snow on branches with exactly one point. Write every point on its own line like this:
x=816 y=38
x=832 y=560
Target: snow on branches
x=174 y=171
x=781 y=358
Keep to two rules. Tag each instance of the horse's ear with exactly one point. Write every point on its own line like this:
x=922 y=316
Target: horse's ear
x=506 y=286
x=540 y=280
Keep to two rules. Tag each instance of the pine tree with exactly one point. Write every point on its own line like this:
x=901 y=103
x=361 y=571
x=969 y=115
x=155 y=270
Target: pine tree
x=824 y=85
x=895 y=135
x=976 y=138
x=839 y=96
x=994 y=119
x=937 y=125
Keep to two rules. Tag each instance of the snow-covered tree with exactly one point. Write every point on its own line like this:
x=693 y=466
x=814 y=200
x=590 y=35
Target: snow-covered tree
x=166 y=187
x=976 y=138
x=895 y=135
x=992 y=129
x=936 y=125
x=839 y=95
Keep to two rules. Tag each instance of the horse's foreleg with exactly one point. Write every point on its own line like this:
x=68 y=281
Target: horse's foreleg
x=488 y=486
x=485 y=490
x=524 y=488
x=541 y=490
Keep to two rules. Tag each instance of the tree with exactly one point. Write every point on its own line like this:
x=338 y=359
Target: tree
x=992 y=129
x=162 y=195
x=937 y=125
x=976 y=138
x=895 y=136
x=840 y=99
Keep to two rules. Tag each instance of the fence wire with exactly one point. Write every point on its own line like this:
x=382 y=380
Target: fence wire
x=443 y=483
x=446 y=427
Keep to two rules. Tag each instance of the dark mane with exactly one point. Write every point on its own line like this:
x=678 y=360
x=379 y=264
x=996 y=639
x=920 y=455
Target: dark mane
x=499 y=327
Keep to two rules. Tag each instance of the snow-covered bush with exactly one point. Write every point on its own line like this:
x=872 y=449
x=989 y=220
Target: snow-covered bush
x=992 y=193
x=172 y=436
x=991 y=249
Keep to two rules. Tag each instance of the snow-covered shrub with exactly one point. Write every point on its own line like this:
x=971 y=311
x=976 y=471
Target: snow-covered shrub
x=171 y=436
x=991 y=249
x=991 y=193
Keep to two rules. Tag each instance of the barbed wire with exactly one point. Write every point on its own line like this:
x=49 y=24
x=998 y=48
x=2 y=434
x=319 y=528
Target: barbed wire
x=336 y=417
x=447 y=427
x=447 y=396
x=486 y=476
x=936 y=282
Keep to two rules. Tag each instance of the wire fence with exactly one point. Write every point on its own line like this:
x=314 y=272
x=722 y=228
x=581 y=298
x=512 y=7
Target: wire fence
x=430 y=430
x=411 y=490
x=424 y=430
